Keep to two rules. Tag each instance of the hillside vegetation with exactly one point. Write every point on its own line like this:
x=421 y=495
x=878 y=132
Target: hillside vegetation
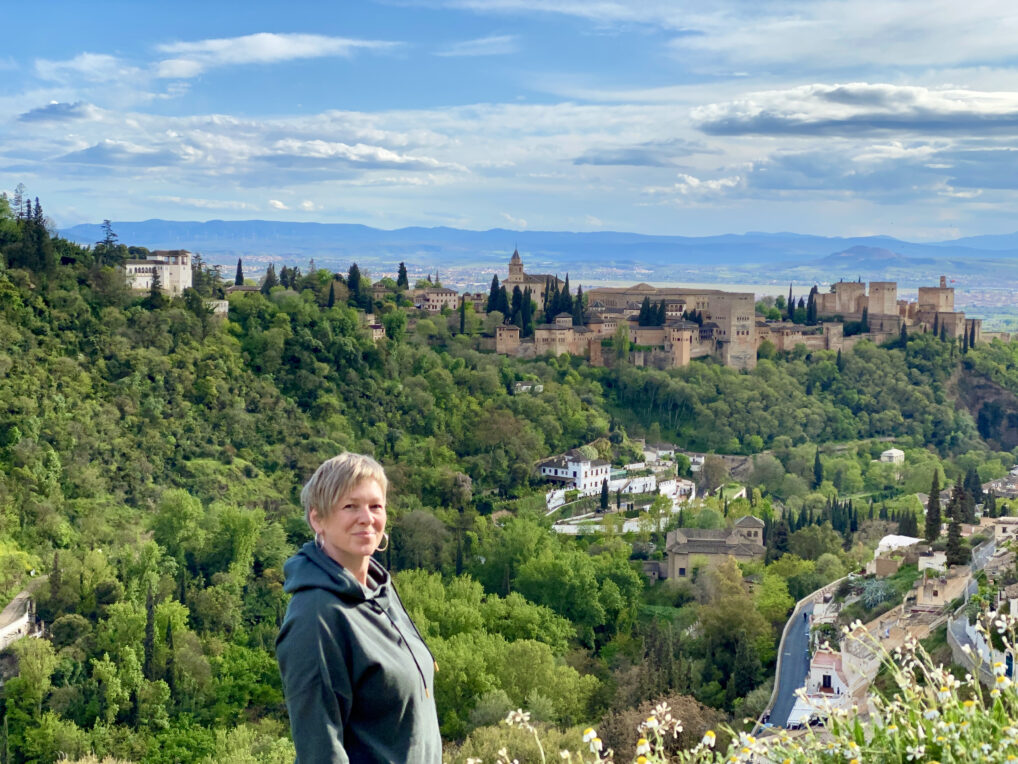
x=151 y=457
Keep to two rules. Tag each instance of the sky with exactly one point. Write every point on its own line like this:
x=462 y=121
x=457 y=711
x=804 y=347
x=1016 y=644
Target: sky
x=652 y=116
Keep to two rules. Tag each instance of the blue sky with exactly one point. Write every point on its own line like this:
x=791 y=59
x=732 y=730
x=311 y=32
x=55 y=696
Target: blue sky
x=657 y=116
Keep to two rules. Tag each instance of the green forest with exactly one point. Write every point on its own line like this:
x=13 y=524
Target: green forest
x=151 y=457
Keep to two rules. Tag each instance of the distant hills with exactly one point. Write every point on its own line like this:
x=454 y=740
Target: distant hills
x=596 y=255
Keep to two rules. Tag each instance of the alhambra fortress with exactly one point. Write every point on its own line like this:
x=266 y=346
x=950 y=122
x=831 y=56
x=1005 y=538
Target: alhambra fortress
x=731 y=332
x=727 y=327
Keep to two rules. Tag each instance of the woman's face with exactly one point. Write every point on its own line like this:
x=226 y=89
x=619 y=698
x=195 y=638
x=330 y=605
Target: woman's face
x=354 y=529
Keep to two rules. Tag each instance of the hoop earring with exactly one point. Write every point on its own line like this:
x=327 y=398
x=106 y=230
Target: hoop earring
x=319 y=542
x=385 y=537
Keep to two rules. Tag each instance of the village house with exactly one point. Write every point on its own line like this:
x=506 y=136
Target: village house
x=686 y=547
x=577 y=471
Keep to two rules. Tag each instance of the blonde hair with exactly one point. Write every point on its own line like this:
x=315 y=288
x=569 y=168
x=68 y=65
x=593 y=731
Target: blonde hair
x=336 y=477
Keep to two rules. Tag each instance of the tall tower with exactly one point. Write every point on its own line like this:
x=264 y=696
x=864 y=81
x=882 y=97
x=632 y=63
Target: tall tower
x=515 y=268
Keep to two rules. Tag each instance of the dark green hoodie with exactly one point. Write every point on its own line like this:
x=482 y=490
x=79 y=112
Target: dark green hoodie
x=358 y=678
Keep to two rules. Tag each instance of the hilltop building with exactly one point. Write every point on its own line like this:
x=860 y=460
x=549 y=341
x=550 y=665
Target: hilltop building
x=172 y=267
x=536 y=282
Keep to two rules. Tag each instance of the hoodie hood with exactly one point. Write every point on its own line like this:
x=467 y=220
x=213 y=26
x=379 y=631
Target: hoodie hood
x=311 y=568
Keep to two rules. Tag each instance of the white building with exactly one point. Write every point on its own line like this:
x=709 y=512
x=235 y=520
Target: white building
x=173 y=268
x=893 y=456
x=577 y=471
x=434 y=299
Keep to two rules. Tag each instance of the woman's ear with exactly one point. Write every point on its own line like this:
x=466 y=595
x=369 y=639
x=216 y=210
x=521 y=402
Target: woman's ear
x=314 y=520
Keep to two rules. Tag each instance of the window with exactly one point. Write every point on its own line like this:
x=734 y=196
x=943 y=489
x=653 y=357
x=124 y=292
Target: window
x=682 y=571
x=827 y=682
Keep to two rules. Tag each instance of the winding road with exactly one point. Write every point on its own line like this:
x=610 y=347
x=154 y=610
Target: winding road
x=794 y=667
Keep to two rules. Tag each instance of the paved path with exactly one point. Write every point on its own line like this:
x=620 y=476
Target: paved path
x=794 y=667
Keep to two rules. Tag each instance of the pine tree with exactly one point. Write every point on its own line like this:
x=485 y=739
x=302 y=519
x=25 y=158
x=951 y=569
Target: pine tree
x=403 y=281
x=493 y=294
x=818 y=470
x=238 y=280
x=932 y=530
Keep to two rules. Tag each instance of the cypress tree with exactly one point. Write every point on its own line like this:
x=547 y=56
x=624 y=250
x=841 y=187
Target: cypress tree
x=516 y=308
x=238 y=280
x=943 y=332
x=973 y=486
x=818 y=470
x=791 y=304
x=493 y=294
x=529 y=309
x=503 y=301
x=353 y=282
x=662 y=314
x=840 y=362
x=864 y=325
x=578 y=307
x=403 y=280
x=270 y=279
x=932 y=530
x=332 y=294
x=565 y=299
x=956 y=555
x=604 y=495
x=150 y=634
x=463 y=316
x=936 y=323
x=903 y=336
x=990 y=505
x=972 y=335
x=644 y=317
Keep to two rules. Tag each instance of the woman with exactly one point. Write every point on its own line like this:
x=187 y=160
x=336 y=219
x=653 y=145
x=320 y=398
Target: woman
x=358 y=678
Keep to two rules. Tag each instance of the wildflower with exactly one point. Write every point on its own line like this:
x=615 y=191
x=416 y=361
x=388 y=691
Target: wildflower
x=969 y=706
x=596 y=745
x=651 y=723
x=518 y=718
x=932 y=713
x=641 y=760
x=642 y=746
x=998 y=668
x=564 y=755
x=944 y=693
x=709 y=739
x=915 y=752
x=589 y=734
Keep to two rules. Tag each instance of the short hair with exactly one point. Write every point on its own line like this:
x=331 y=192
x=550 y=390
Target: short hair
x=336 y=477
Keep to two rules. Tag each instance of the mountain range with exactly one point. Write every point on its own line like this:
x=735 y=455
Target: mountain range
x=591 y=255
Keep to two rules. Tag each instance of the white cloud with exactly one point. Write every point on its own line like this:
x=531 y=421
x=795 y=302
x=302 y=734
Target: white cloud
x=309 y=206
x=93 y=67
x=207 y=204
x=190 y=59
x=514 y=221
x=596 y=222
x=277 y=205
x=859 y=107
x=688 y=185
x=495 y=45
